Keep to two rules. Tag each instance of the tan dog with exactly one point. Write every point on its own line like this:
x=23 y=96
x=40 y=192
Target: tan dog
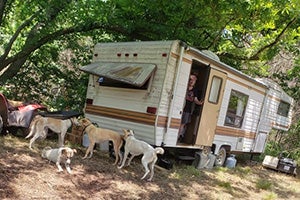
x=58 y=155
x=40 y=125
x=136 y=147
x=98 y=135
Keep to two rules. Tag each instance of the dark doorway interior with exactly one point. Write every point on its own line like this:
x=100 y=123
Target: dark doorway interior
x=202 y=72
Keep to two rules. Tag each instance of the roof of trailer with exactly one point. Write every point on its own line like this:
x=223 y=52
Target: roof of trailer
x=208 y=55
x=215 y=59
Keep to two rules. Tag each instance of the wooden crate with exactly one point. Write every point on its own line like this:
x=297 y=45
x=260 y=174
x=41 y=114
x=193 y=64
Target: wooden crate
x=75 y=137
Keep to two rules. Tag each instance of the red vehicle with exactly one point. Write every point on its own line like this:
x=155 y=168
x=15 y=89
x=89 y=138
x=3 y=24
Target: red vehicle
x=16 y=114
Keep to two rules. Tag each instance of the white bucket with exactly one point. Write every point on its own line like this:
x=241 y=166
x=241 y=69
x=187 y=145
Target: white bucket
x=85 y=140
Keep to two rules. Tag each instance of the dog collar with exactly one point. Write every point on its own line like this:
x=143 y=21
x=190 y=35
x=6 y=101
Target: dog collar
x=86 y=127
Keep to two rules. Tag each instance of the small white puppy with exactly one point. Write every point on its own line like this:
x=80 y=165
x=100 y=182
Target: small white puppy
x=58 y=155
x=136 y=147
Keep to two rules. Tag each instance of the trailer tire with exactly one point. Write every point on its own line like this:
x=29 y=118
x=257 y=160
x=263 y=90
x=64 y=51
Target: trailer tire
x=221 y=157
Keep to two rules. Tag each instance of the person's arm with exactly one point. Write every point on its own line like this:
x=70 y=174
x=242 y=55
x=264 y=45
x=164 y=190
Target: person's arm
x=198 y=102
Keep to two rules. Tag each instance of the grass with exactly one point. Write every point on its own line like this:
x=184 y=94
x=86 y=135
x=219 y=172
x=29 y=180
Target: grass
x=182 y=182
x=264 y=184
x=271 y=196
x=184 y=171
x=225 y=184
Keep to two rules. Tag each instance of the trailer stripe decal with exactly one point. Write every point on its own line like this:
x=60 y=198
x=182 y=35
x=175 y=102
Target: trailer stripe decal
x=137 y=117
x=227 y=131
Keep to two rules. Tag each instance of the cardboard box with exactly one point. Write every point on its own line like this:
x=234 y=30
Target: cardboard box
x=75 y=137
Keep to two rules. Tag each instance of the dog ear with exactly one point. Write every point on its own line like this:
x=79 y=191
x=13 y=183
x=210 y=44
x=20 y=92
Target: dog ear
x=74 y=150
x=64 y=151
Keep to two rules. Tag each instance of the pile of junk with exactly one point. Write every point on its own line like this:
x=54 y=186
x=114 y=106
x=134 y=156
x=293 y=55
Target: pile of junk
x=281 y=164
x=17 y=115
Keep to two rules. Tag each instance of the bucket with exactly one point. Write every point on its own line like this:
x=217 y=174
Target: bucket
x=201 y=160
x=85 y=140
x=211 y=161
x=230 y=162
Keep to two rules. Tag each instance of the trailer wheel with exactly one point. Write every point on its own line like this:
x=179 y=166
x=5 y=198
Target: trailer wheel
x=221 y=156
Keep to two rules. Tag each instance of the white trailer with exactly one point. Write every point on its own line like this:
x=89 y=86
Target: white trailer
x=142 y=86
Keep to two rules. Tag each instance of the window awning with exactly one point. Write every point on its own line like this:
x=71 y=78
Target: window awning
x=132 y=73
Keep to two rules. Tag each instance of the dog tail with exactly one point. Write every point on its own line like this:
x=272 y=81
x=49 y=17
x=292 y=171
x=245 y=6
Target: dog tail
x=159 y=150
x=32 y=126
x=44 y=152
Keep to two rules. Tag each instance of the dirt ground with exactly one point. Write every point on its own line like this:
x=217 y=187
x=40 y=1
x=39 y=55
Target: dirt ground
x=26 y=175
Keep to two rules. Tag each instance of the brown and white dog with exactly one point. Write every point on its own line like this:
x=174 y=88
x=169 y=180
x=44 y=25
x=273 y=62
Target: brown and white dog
x=98 y=135
x=136 y=147
x=40 y=125
x=59 y=155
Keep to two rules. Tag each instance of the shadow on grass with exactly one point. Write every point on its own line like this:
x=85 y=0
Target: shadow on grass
x=98 y=178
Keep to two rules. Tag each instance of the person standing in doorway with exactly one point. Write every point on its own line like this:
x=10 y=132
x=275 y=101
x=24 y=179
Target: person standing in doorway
x=190 y=98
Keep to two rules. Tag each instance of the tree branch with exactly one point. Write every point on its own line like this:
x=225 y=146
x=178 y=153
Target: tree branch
x=277 y=39
x=48 y=38
x=2 y=8
x=14 y=37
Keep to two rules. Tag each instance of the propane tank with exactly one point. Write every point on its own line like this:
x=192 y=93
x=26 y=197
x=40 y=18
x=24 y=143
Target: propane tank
x=230 y=162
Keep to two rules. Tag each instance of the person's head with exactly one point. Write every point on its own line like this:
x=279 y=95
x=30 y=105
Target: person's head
x=192 y=80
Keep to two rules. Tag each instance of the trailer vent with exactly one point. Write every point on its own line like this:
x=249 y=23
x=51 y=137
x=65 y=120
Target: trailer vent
x=89 y=101
x=151 y=110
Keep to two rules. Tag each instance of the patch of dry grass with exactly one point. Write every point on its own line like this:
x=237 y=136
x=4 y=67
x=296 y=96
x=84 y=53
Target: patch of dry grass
x=25 y=175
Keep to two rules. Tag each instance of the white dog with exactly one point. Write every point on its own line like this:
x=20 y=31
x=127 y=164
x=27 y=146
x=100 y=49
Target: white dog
x=40 y=125
x=58 y=155
x=136 y=147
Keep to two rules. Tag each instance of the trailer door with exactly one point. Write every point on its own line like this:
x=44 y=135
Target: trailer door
x=211 y=107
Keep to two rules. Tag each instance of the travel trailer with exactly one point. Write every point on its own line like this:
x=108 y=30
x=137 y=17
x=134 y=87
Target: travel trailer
x=142 y=86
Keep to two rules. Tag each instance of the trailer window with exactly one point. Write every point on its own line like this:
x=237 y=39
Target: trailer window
x=236 y=109
x=103 y=81
x=283 y=109
x=215 y=90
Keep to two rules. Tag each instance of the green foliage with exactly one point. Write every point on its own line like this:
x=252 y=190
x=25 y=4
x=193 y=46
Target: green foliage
x=43 y=42
x=225 y=184
x=285 y=144
x=264 y=184
x=288 y=142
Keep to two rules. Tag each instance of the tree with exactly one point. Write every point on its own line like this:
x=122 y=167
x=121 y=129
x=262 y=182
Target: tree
x=240 y=32
x=237 y=30
x=44 y=41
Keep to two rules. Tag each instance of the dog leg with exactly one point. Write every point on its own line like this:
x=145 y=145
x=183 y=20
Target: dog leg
x=89 y=151
x=120 y=156
x=117 y=153
x=124 y=159
x=60 y=169
x=61 y=139
x=152 y=169
x=32 y=140
x=32 y=128
x=145 y=164
x=130 y=159
x=67 y=164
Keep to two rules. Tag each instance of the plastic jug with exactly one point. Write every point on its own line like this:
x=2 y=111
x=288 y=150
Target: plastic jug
x=230 y=162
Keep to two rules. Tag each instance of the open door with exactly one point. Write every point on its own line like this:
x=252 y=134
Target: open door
x=211 y=108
